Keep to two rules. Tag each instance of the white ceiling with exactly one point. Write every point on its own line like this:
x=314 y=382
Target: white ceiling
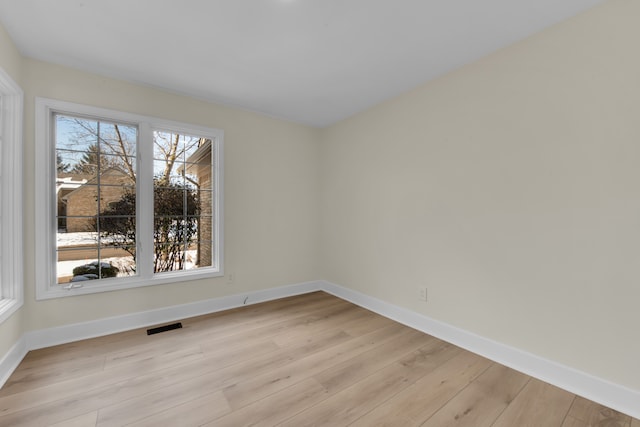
x=311 y=61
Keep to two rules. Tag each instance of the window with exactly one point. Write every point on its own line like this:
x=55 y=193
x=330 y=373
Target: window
x=11 y=286
x=126 y=200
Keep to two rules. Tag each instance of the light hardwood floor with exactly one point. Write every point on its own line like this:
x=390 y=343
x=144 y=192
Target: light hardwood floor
x=310 y=360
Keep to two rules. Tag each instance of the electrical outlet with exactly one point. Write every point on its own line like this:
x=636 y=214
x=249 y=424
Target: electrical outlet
x=230 y=278
x=423 y=293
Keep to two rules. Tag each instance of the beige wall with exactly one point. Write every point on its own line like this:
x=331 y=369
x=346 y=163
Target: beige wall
x=271 y=204
x=511 y=189
x=10 y=59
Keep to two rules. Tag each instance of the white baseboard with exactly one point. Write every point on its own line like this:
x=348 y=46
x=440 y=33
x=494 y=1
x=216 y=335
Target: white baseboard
x=95 y=328
x=12 y=359
x=604 y=392
x=612 y=395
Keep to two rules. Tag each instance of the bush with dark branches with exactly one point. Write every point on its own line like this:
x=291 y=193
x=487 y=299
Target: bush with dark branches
x=176 y=208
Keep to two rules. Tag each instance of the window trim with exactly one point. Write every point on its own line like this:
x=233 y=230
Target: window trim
x=11 y=249
x=46 y=281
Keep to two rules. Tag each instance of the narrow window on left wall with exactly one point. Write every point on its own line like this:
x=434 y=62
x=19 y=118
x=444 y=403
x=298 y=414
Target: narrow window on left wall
x=11 y=282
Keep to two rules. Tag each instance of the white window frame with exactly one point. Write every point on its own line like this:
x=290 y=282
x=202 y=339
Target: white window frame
x=46 y=279
x=11 y=261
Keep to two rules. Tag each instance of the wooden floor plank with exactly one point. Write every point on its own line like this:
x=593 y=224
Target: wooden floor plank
x=242 y=393
x=164 y=395
x=362 y=395
x=583 y=412
x=538 y=405
x=482 y=401
x=344 y=407
x=231 y=336
x=421 y=400
x=84 y=420
x=275 y=408
x=305 y=360
x=147 y=405
x=35 y=375
x=350 y=371
x=193 y=413
x=360 y=320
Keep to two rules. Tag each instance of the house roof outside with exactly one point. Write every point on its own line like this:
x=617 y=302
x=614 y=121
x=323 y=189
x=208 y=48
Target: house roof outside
x=69 y=182
x=74 y=183
x=192 y=161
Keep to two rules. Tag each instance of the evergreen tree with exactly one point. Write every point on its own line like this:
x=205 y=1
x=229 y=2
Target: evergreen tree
x=88 y=164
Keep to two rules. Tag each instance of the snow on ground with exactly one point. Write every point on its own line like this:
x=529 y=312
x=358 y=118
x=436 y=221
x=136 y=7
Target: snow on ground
x=65 y=268
x=69 y=240
x=124 y=264
x=79 y=239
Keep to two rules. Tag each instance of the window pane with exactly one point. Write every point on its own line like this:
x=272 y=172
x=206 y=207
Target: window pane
x=182 y=202
x=96 y=198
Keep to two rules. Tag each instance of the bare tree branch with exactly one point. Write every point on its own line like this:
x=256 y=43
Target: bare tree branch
x=125 y=157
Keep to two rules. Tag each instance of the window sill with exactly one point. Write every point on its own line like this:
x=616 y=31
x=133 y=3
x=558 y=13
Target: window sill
x=8 y=306
x=108 y=285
